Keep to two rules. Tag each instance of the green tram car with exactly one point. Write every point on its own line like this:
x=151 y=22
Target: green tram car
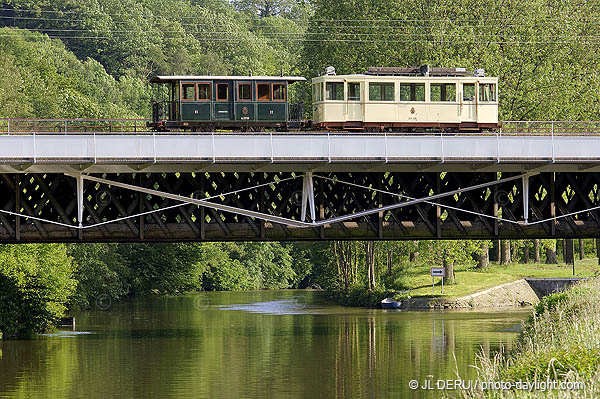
x=206 y=103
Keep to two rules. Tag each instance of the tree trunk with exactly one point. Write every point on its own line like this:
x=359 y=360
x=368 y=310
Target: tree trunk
x=526 y=253
x=568 y=251
x=413 y=257
x=484 y=256
x=343 y=254
x=551 y=255
x=370 y=264
x=536 y=246
x=498 y=251
x=514 y=253
x=449 y=266
x=505 y=250
x=581 y=249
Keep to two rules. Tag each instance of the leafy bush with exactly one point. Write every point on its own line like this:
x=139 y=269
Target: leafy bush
x=550 y=302
x=359 y=296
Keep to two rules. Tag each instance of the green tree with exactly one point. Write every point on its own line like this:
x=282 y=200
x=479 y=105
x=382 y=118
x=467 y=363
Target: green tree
x=221 y=272
x=162 y=267
x=36 y=283
x=101 y=270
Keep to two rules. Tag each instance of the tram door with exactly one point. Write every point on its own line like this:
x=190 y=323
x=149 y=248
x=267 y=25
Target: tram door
x=354 y=103
x=223 y=101
x=468 y=105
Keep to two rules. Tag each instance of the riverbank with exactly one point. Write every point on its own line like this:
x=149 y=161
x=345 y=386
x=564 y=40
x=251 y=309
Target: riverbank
x=469 y=281
x=558 y=343
x=494 y=286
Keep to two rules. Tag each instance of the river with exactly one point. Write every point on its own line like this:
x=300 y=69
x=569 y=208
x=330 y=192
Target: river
x=264 y=344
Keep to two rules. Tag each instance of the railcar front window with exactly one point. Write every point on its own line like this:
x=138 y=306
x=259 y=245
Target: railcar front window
x=188 y=92
x=278 y=91
x=317 y=93
x=381 y=92
x=264 y=91
x=203 y=91
x=353 y=91
x=244 y=92
x=487 y=92
x=468 y=91
x=443 y=92
x=334 y=91
x=412 y=92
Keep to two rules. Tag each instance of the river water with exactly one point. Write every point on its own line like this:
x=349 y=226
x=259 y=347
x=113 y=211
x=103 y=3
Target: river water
x=265 y=344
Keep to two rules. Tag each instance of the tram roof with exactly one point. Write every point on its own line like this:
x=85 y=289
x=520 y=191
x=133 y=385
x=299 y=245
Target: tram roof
x=165 y=79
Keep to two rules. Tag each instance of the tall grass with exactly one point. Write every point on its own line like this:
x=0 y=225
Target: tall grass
x=559 y=342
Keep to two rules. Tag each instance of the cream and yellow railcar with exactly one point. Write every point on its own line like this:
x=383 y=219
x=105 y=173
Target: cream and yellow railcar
x=397 y=99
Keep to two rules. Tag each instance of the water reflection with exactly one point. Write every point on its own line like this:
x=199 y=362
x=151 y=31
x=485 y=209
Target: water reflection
x=250 y=345
x=438 y=342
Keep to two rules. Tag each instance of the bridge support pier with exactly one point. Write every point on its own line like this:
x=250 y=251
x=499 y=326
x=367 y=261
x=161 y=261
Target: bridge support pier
x=308 y=197
x=80 y=199
x=526 y=198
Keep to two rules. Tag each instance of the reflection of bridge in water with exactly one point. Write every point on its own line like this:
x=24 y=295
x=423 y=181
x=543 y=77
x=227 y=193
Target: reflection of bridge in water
x=107 y=180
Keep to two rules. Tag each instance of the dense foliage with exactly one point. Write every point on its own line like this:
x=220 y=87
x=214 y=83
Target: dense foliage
x=93 y=58
x=36 y=282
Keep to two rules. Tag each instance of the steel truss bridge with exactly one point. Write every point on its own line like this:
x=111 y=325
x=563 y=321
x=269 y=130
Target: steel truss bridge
x=81 y=180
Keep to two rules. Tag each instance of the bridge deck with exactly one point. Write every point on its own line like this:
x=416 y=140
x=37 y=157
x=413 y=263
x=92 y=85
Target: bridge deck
x=366 y=186
x=112 y=152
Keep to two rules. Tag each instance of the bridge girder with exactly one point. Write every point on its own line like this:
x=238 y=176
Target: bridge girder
x=52 y=199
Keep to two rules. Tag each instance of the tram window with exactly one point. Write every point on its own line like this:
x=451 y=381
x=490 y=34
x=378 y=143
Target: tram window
x=278 y=91
x=381 y=92
x=317 y=92
x=412 y=91
x=188 y=91
x=203 y=91
x=334 y=91
x=244 y=92
x=222 y=91
x=443 y=92
x=487 y=92
x=264 y=91
x=353 y=91
x=468 y=91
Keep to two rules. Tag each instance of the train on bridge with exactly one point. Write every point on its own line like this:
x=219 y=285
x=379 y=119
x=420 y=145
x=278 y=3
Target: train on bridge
x=383 y=99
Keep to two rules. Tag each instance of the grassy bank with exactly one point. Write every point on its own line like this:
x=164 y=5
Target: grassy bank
x=417 y=281
x=560 y=342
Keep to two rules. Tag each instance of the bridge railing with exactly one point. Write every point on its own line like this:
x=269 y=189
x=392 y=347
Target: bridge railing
x=65 y=126
x=16 y=126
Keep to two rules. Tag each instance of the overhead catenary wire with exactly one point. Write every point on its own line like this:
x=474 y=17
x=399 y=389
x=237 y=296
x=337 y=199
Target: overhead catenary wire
x=227 y=37
x=437 y=34
x=286 y=34
x=484 y=19
x=336 y=24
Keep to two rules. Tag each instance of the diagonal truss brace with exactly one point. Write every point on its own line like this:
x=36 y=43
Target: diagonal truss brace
x=307 y=191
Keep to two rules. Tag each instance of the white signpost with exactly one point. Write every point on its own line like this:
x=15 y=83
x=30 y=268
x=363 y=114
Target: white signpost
x=437 y=272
